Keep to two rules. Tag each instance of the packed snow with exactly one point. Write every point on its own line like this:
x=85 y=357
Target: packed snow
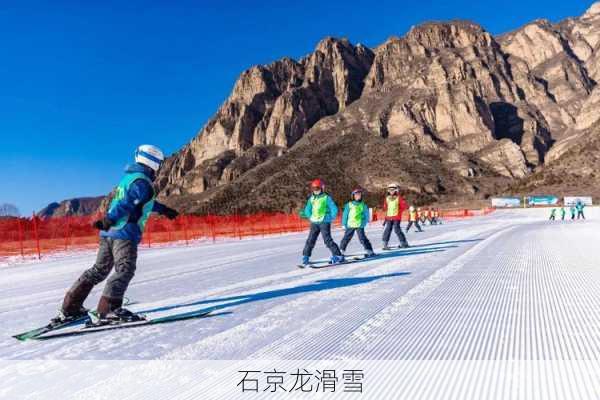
x=477 y=308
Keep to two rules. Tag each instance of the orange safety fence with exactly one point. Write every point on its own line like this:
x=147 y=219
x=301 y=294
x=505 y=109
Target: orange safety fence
x=37 y=236
x=443 y=214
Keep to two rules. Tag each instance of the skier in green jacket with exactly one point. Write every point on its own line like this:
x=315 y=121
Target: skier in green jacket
x=563 y=212
x=553 y=214
x=321 y=210
x=354 y=219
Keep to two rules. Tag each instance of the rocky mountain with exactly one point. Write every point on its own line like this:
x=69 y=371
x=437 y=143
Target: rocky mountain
x=74 y=207
x=449 y=110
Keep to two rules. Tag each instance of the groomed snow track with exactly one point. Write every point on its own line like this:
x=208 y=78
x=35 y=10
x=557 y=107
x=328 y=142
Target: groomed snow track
x=502 y=306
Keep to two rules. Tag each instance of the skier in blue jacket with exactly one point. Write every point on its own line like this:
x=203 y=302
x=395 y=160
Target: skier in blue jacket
x=354 y=219
x=120 y=233
x=580 y=206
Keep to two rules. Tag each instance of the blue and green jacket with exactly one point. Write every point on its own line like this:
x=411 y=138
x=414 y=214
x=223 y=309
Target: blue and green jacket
x=133 y=206
x=323 y=216
x=364 y=219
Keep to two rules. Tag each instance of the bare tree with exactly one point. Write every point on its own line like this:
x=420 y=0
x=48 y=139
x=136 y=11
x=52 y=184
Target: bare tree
x=9 y=210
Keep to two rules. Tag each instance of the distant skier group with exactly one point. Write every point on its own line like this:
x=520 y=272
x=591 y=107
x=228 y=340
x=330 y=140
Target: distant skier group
x=321 y=211
x=576 y=212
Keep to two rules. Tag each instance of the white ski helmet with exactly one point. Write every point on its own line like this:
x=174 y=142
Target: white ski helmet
x=394 y=185
x=150 y=156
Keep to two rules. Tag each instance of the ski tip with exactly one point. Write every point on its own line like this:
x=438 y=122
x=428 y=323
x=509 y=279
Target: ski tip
x=22 y=337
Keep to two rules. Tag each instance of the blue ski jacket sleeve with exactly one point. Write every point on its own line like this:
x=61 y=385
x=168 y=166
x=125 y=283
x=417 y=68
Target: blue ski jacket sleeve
x=366 y=215
x=307 y=210
x=158 y=208
x=333 y=210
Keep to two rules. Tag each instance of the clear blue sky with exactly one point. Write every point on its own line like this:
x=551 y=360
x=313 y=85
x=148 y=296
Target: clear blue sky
x=82 y=84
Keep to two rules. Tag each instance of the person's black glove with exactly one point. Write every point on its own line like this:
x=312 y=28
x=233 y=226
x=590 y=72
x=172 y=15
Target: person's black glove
x=103 y=224
x=170 y=213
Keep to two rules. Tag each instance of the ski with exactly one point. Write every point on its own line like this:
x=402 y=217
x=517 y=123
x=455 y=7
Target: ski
x=349 y=260
x=31 y=334
x=54 y=326
x=86 y=329
x=395 y=248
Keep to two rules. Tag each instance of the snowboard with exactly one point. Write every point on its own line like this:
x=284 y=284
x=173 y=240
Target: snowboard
x=87 y=328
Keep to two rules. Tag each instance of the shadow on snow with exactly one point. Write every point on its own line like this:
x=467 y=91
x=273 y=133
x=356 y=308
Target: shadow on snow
x=317 y=286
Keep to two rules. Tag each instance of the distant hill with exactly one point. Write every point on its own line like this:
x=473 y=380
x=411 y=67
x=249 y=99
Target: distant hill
x=77 y=206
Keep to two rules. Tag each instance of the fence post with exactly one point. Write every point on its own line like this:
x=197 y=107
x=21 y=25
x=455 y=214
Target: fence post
x=169 y=229
x=149 y=233
x=211 y=226
x=21 y=236
x=67 y=233
x=268 y=229
x=37 y=235
x=184 y=218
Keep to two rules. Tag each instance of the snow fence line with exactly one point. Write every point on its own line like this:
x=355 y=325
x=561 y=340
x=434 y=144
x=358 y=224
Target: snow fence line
x=35 y=236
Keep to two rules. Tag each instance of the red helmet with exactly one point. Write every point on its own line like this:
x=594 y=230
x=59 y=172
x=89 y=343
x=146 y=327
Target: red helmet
x=318 y=183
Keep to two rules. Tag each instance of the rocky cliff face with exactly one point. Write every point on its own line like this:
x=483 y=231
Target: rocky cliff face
x=75 y=207
x=487 y=106
x=271 y=107
x=447 y=110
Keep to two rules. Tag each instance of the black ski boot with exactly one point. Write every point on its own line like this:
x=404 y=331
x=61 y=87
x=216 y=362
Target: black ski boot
x=64 y=318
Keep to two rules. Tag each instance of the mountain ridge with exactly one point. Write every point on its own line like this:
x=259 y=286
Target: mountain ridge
x=489 y=112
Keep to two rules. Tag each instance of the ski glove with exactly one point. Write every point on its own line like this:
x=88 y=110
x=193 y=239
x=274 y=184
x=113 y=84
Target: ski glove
x=103 y=224
x=170 y=213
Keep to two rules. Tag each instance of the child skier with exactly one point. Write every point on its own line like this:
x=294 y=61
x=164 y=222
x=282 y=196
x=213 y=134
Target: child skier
x=413 y=219
x=553 y=214
x=393 y=206
x=579 y=206
x=321 y=211
x=120 y=233
x=436 y=215
x=563 y=212
x=430 y=216
x=573 y=212
x=354 y=219
x=420 y=215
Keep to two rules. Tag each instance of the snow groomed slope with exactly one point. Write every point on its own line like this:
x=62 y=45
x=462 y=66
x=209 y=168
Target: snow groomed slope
x=502 y=306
